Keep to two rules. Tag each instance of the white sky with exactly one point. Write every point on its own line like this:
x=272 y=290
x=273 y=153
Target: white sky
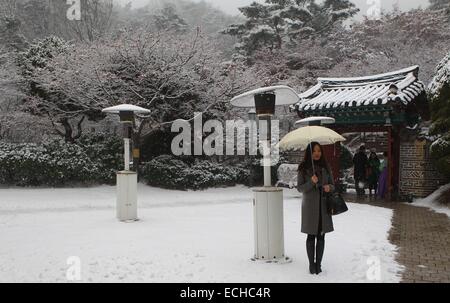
x=231 y=6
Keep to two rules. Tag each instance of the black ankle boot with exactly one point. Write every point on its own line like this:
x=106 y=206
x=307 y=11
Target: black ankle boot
x=319 y=253
x=318 y=268
x=312 y=268
x=310 y=249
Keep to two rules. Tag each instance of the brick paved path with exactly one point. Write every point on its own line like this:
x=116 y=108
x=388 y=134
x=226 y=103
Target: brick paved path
x=423 y=239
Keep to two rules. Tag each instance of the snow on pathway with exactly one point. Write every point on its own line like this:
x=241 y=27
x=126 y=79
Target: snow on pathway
x=181 y=237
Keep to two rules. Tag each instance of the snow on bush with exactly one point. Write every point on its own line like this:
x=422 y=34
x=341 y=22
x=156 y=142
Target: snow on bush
x=40 y=53
x=440 y=153
x=56 y=163
x=166 y=171
x=106 y=151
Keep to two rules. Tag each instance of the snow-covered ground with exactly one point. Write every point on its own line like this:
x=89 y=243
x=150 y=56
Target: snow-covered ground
x=181 y=237
x=431 y=202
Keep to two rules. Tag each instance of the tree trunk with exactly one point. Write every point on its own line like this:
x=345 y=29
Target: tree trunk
x=279 y=41
x=68 y=131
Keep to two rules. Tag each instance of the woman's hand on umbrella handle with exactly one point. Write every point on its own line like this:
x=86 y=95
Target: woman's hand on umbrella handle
x=314 y=179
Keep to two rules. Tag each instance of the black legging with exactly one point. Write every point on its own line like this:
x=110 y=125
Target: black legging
x=318 y=248
x=311 y=246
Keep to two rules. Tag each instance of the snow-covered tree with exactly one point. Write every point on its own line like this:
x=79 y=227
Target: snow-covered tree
x=209 y=19
x=15 y=125
x=173 y=75
x=38 y=19
x=329 y=13
x=44 y=101
x=396 y=40
x=189 y=16
x=202 y=14
x=10 y=26
x=168 y=19
x=39 y=54
x=439 y=4
x=279 y=22
x=299 y=67
x=97 y=19
x=439 y=92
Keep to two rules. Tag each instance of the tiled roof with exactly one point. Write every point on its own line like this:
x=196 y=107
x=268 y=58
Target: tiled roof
x=334 y=93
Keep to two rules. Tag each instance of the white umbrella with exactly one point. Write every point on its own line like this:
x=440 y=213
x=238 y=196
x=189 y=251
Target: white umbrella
x=302 y=137
x=299 y=139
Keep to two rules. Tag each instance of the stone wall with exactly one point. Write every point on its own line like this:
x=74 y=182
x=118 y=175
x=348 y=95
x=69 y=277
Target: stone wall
x=418 y=177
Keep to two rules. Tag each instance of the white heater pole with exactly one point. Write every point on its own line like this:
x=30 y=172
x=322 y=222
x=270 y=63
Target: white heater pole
x=267 y=165
x=267 y=153
x=127 y=153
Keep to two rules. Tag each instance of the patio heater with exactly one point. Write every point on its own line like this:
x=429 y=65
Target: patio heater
x=268 y=200
x=126 y=205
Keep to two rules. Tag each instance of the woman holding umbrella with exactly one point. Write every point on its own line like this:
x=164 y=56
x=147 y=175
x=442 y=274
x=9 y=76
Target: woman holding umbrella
x=314 y=180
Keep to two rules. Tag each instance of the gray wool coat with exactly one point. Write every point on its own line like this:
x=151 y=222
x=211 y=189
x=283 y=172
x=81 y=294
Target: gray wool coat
x=310 y=203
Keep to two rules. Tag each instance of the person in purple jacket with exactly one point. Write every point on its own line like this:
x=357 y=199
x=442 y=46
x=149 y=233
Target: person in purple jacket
x=382 y=181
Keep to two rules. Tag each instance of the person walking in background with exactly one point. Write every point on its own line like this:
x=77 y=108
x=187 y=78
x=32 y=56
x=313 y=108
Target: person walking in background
x=316 y=221
x=382 y=181
x=360 y=163
x=373 y=173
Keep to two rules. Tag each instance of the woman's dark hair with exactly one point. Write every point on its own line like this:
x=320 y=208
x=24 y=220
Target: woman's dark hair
x=307 y=160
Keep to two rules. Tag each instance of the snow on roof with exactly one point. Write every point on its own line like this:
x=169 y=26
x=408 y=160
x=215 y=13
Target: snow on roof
x=405 y=71
x=332 y=93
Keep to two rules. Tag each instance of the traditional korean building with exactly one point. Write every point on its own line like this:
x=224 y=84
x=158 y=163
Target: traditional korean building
x=394 y=103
